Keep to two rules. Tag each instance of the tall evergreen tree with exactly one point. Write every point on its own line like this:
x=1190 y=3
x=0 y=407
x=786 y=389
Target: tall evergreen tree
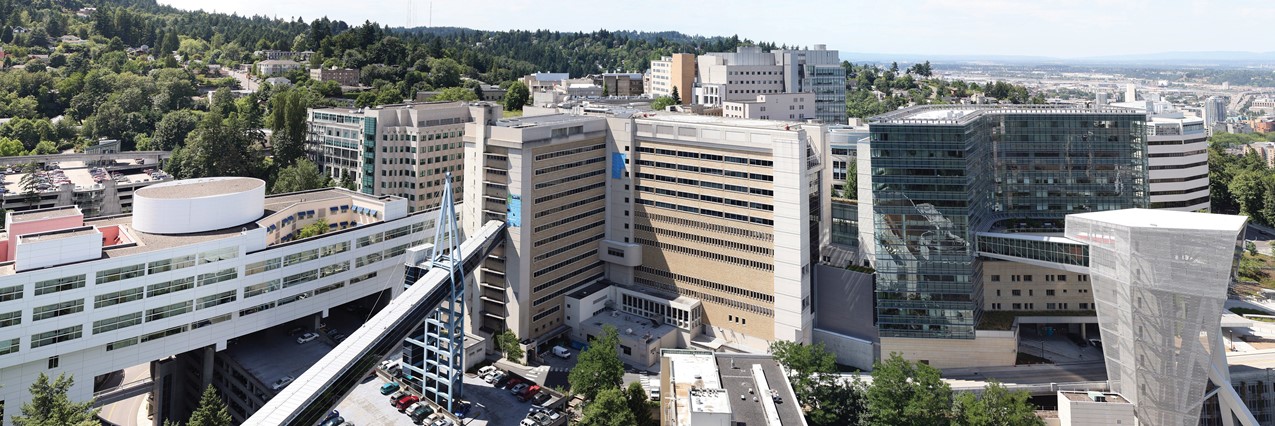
x=212 y=410
x=50 y=406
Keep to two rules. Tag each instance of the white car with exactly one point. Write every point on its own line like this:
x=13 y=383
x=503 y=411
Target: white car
x=486 y=370
x=307 y=337
x=279 y=384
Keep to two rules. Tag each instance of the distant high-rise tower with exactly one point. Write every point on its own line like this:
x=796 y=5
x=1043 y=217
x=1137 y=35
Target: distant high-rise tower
x=1131 y=92
x=1102 y=99
x=1215 y=110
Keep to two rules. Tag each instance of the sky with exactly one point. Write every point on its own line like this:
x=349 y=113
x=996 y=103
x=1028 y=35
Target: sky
x=1051 y=28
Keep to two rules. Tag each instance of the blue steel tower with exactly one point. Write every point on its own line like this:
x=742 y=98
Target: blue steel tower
x=433 y=355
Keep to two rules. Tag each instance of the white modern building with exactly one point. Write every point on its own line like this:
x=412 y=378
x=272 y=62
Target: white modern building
x=1178 y=151
x=775 y=106
x=737 y=76
x=1160 y=280
x=199 y=262
x=1215 y=109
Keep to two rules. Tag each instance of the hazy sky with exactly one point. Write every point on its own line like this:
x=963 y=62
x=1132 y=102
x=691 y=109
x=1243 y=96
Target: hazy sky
x=1059 y=28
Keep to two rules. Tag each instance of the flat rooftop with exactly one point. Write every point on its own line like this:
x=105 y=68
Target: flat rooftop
x=59 y=234
x=195 y=188
x=962 y=114
x=1149 y=218
x=545 y=120
x=81 y=176
x=630 y=326
x=1111 y=398
x=271 y=353
x=671 y=117
x=48 y=213
x=737 y=378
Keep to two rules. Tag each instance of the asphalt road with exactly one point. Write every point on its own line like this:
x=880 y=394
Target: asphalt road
x=125 y=413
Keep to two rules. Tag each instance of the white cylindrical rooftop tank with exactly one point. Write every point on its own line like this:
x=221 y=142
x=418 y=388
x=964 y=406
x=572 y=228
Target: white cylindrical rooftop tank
x=198 y=205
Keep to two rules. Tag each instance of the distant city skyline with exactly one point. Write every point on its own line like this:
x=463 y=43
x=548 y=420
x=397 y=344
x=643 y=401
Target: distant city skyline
x=1070 y=29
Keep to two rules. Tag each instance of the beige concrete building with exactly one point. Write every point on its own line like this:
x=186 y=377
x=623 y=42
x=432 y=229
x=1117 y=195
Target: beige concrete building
x=342 y=76
x=775 y=106
x=677 y=71
x=544 y=176
x=403 y=150
x=721 y=211
x=1013 y=286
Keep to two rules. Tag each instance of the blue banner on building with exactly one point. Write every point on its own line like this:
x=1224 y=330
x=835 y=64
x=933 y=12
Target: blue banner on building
x=617 y=164
x=514 y=215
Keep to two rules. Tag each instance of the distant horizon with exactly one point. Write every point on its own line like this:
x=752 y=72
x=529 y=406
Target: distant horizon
x=1058 y=30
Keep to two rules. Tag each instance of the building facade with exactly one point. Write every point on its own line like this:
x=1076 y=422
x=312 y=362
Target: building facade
x=544 y=176
x=818 y=72
x=402 y=150
x=276 y=66
x=619 y=84
x=342 y=76
x=676 y=71
x=776 y=106
x=723 y=211
x=941 y=175
x=736 y=76
x=198 y=263
x=1215 y=110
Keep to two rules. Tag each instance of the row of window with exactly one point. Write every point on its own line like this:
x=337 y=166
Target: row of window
x=707 y=170
x=1032 y=306
x=707 y=198
x=566 y=288
x=572 y=191
x=568 y=179
x=572 y=205
x=762 y=296
x=571 y=151
x=705 y=240
x=707 y=212
x=707 y=298
x=561 y=235
x=655 y=217
x=707 y=255
x=708 y=184
x=134 y=271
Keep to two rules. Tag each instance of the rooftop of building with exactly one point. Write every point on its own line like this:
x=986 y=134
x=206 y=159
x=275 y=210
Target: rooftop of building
x=41 y=214
x=1107 y=397
x=631 y=327
x=1168 y=219
x=964 y=114
x=672 y=117
x=590 y=289
x=725 y=383
x=197 y=188
x=58 y=234
x=544 y=120
x=271 y=354
x=279 y=62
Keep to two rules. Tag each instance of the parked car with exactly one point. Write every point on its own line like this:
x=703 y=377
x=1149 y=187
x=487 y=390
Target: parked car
x=419 y=412
x=389 y=388
x=461 y=410
x=339 y=337
x=279 y=384
x=332 y=421
x=487 y=370
x=397 y=395
x=528 y=393
x=514 y=381
x=1096 y=343
x=561 y=352
x=495 y=376
x=502 y=380
x=655 y=393
x=306 y=338
x=518 y=389
x=541 y=398
x=406 y=401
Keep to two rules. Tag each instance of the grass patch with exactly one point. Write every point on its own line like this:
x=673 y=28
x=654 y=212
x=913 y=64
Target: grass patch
x=1003 y=320
x=511 y=114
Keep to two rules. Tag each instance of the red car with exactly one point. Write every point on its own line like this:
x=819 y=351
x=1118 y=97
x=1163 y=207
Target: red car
x=527 y=394
x=403 y=402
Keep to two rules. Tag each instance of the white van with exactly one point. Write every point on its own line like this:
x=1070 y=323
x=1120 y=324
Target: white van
x=561 y=352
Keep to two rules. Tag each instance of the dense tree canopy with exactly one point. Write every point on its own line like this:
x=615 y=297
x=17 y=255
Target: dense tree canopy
x=50 y=406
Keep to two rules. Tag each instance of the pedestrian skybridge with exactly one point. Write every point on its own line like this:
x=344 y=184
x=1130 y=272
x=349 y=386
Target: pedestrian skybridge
x=1035 y=249
x=309 y=399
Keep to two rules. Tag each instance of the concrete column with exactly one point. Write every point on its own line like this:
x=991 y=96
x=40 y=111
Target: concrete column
x=318 y=319
x=207 y=367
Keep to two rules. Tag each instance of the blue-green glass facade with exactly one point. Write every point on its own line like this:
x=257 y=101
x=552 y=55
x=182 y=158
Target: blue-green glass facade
x=937 y=182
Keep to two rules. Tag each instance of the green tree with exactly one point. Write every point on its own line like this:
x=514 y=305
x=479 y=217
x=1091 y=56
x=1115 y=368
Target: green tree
x=50 y=406
x=1251 y=248
x=445 y=72
x=804 y=363
x=287 y=126
x=217 y=147
x=516 y=96
x=212 y=409
x=996 y=407
x=172 y=130
x=906 y=393
x=598 y=367
x=313 y=230
x=827 y=399
x=1246 y=187
x=639 y=404
x=302 y=176
x=663 y=102
x=44 y=148
x=608 y=409
x=850 y=190
x=455 y=94
x=677 y=98
x=11 y=147
x=507 y=342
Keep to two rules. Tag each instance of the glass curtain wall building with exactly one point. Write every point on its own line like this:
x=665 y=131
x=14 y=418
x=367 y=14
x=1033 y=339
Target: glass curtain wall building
x=942 y=174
